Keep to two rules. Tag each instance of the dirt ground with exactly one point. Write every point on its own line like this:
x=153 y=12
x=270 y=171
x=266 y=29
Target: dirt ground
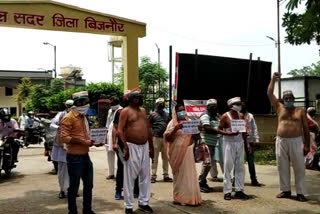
x=32 y=188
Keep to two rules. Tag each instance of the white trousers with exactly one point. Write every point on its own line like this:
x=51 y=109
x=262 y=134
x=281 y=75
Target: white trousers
x=290 y=150
x=63 y=176
x=233 y=153
x=138 y=164
x=111 y=161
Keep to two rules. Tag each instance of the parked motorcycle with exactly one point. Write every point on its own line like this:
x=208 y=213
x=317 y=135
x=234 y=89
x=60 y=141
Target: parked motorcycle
x=6 y=154
x=35 y=134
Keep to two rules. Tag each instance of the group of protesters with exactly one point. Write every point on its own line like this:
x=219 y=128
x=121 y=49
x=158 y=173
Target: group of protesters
x=137 y=139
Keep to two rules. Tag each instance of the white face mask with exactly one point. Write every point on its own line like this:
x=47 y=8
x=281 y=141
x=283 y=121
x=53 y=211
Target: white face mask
x=236 y=108
x=114 y=107
x=83 y=109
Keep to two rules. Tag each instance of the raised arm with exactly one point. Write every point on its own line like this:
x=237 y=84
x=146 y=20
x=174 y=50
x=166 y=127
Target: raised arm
x=274 y=101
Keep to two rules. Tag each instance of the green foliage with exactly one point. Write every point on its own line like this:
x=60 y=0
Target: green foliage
x=152 y=78
x=97 y=89
x=23 y=90
x=56 y=102
x=56 y=86
x=304 y=27
x=38 y=98
x=265 y=156
x=313 y=70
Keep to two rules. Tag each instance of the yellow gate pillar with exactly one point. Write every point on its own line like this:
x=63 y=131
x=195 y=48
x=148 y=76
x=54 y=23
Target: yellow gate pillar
x=130 y=62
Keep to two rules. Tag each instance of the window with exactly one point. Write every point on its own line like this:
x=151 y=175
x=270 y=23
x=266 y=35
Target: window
x=13 y=110
x=8 y=91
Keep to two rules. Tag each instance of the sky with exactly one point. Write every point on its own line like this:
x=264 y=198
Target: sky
x=219 y=28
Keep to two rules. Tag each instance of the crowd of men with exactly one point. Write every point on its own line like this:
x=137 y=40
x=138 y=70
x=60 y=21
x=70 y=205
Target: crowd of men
x=136 y=139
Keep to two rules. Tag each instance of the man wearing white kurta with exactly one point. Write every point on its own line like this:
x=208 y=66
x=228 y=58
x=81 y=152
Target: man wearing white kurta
x=59 y=153
x=233 y=150
x=293 y=141
x=110 y=153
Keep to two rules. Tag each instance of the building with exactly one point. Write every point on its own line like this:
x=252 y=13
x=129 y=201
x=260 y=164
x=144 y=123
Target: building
x=9 y=80
x=306 y=90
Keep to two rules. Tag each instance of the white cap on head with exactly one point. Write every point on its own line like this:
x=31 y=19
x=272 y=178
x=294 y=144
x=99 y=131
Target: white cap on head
x=160 y=100
x=69 y=103
x=233 y=101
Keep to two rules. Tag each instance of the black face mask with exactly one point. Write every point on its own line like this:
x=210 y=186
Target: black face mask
x=160 y=106
x=243 y=109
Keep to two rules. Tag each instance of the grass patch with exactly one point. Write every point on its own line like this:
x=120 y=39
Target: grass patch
x=265 y=157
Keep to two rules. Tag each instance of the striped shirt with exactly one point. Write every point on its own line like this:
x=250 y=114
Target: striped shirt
x=207 y=138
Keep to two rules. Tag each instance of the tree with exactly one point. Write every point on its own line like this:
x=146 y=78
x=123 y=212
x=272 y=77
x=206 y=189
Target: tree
x=56 y=86
x=23 y=92
x=313 y=70
x=38 y=99
x=152 y=77
x=304 y=27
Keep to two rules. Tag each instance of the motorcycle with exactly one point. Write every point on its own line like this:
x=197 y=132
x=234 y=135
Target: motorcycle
x=35 y=134
x=6 y=154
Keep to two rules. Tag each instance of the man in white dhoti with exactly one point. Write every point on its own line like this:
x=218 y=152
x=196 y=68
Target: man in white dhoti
x=233 y=149
x=115 y=106
x=135 y=133
x=59 y=153
x=293 y=141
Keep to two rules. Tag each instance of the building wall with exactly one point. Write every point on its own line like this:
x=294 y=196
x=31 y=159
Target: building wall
x=295 y=85
x=7 y=101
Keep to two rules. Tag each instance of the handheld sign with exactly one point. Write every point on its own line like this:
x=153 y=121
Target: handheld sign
x=98 y=135
x=190 y=127
x=238 y=125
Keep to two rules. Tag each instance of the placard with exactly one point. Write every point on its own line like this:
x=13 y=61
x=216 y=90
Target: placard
x=238 y=125
x=98 y=135
x=195 y=108
x=190 y=127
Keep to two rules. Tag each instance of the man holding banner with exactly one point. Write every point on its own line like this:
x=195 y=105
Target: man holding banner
x=232 y=126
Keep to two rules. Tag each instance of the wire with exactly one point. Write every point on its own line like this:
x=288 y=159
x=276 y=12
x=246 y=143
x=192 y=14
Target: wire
x=209 y=42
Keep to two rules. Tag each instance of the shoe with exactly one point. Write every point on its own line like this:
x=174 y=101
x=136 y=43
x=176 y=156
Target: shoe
x=241 y=195
x=129 y=211
x=146 y=208
x=88 y=212
x=301 y=198
x=205 y=188
x=167 y=179
x=62 y=195
x=227 y=196
x=118 y=196
x=286 y=194
x=255 y=184
x=110 y=177
x=153 y=180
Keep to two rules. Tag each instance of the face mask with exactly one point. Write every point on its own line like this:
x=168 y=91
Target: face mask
x=288 y=104
x=114 y=107
x=83 y=109
x=243 y=109
x=160 y=106
x=181 y=115
x=236 y=108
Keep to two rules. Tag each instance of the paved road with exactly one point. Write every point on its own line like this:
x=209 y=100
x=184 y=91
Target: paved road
x=32 y=188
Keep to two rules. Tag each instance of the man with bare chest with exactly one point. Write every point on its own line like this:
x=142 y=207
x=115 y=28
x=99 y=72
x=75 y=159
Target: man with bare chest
x=135 y=132
x=233 y=149
x=293 y=141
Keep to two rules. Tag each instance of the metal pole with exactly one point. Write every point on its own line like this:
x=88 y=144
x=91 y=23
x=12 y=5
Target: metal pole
x=249 y=76
x=112 y=61
x=159 y=69
x=170 y=78
x=279 y=66
x=55 y=61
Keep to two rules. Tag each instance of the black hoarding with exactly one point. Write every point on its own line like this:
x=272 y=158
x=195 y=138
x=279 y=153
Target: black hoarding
x=202 y=77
